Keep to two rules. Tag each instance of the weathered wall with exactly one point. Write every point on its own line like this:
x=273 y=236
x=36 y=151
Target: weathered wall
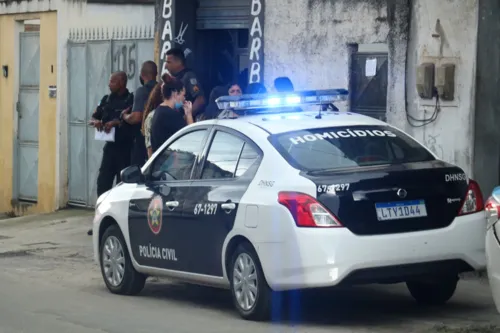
x=9 y=55
x=308 y=41
x=451 y=135
x=487 y=114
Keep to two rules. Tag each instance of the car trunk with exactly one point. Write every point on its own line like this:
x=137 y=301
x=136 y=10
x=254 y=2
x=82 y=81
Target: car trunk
x=409 y=197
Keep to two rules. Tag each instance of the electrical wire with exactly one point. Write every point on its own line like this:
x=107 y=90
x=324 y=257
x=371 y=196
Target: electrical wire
x=409 y=118
x=424 y=122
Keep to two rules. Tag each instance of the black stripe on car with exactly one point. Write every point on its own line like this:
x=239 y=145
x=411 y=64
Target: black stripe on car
x=192 y=233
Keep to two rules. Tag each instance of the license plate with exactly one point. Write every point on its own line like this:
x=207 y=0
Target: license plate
x=400 y=210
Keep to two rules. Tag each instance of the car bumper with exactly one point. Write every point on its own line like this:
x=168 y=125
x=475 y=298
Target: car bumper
x=328 y=257
x=493 y=265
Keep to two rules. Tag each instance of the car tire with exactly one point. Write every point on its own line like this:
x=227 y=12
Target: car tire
x=260 y=310
x=131 y=281
x=435 y=292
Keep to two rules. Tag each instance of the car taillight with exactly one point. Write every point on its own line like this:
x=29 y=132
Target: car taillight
x=306 y=211
x=492 y=208
x=473 y=202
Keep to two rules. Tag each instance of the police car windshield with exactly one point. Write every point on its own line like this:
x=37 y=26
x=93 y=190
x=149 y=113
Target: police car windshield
x=347 y=147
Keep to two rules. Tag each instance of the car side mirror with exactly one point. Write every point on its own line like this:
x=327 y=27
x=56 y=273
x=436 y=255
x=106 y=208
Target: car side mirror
x=132 y=175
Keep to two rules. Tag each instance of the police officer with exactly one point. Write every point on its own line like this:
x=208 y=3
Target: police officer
x=116 y=155
x=176 y=66
x=149 y=72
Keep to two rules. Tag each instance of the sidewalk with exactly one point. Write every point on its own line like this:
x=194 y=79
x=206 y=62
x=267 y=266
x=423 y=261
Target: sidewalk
x=62 y=230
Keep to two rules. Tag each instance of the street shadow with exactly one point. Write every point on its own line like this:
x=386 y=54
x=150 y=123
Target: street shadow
x=353 y=306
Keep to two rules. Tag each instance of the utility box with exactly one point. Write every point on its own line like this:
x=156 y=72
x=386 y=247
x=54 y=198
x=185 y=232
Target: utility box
x=445 y=82
x=425 y=80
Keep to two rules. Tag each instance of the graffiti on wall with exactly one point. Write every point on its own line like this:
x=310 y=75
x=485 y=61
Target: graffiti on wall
x=256 y=52
x=124 y=59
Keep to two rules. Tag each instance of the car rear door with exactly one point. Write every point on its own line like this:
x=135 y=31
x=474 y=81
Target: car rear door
x=157 y=216
x=227 y=167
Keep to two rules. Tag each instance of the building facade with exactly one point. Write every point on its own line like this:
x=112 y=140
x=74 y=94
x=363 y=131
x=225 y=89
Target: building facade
x=56 y=57
x=390 y=54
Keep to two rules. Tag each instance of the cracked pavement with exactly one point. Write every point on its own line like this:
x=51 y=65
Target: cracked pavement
x=51 y=284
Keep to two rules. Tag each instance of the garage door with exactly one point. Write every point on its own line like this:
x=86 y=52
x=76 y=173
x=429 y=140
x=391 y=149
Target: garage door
x=222 y=14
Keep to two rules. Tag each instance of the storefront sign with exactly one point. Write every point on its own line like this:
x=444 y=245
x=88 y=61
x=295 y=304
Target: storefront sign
x=256 y=42
x=167 y=34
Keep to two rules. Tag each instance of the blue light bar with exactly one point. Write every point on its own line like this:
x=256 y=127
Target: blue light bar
x=280 y=100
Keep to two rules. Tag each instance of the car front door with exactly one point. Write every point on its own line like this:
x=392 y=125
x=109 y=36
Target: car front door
x=157 y=216
x=227 y=167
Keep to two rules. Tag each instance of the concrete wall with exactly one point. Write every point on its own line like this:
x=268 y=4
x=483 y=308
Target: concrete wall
x=9 y=55
x=308 y=40
x=451 y=136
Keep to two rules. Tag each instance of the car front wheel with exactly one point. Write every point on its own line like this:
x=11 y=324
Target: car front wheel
x=436 y=292
x=251 y=293
x=117 y=271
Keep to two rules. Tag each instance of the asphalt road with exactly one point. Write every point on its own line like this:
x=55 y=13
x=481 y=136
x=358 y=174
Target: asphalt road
x=49 y=284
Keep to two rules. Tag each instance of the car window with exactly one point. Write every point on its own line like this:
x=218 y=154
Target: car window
x=344 y=147
x=222 y=157
x=249 y=156
x=177 y=160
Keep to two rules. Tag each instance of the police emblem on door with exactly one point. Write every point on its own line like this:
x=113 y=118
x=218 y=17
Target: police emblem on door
x=155 y=214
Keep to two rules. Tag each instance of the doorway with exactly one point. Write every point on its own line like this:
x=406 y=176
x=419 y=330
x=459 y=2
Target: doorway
x=27 y=107
x=224 y=57
x=368 y=80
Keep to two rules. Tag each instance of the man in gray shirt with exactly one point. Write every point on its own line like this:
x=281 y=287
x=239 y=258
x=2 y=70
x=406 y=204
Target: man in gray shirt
x=149 y=72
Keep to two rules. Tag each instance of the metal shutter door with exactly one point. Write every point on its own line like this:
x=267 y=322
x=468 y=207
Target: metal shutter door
x=223 y=14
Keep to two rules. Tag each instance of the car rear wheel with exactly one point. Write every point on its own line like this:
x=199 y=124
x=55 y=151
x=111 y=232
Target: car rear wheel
x=117 y=270
x=251 y=293
x=436 y=292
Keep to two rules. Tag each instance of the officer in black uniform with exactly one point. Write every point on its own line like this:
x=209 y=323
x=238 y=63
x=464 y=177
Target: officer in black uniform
x=176 y=66
x=116 y=155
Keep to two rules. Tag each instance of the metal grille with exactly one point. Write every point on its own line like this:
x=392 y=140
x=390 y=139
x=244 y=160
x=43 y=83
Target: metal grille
x=28 y=117
x=92 y=57
x=223 y=14
x=369 y=94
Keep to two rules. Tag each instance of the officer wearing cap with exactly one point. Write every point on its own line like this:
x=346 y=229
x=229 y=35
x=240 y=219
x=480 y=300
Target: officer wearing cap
x=176 y=66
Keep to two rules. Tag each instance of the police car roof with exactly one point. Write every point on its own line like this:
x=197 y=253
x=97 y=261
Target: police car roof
x=288 y=122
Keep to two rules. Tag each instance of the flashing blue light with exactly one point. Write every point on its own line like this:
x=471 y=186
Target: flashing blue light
x=280 y=100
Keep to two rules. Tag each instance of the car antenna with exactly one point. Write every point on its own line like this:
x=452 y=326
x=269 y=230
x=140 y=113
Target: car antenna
x=318 y=116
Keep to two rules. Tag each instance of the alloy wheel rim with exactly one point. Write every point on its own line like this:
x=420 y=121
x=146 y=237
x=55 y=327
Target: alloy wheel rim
x=245 y=282
x=113 y=261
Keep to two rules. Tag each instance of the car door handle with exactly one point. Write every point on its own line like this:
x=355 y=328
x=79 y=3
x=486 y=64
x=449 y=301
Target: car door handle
x=228 y=206
x=172 y=204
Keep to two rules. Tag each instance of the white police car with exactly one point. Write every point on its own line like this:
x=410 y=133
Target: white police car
x=282 y=199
